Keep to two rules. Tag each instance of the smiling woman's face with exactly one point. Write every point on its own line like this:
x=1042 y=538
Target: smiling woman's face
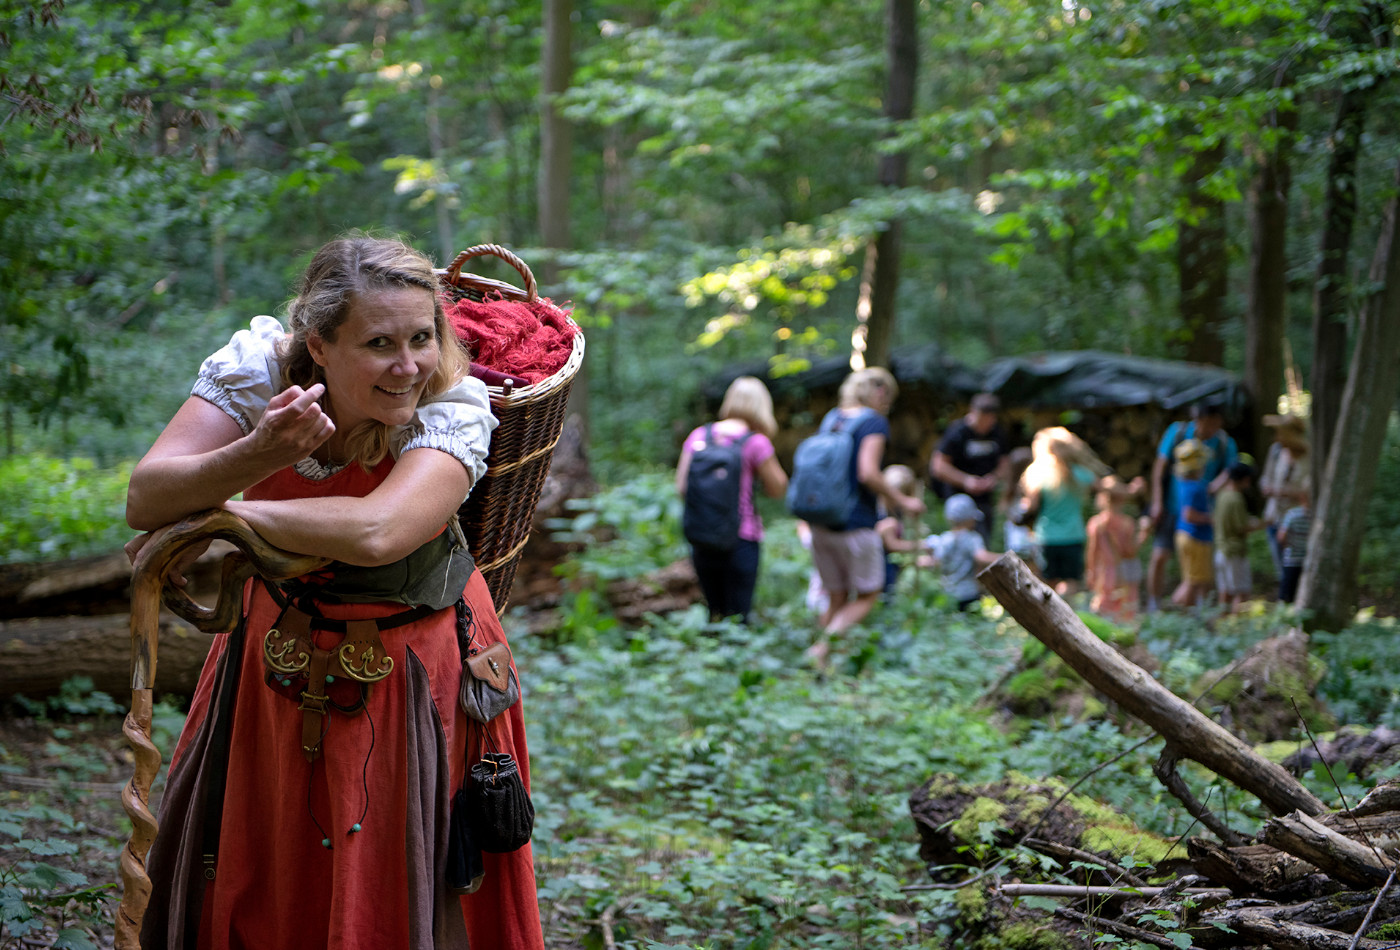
x=381 y=358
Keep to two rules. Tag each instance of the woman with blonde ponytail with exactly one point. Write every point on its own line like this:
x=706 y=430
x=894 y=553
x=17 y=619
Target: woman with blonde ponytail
x=1056 y=485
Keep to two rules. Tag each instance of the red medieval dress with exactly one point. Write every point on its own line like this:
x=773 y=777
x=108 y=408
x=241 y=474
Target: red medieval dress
x=388 y=770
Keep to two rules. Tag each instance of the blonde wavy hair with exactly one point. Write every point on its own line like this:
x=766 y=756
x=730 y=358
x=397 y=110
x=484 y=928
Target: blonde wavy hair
x=748 y=399
x=1054 y=453
x=341 y=271
x=859 y=388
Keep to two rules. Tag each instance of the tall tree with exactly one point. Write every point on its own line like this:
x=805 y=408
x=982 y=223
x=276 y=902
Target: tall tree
x=1202 y=257
x=1327 y=589
x=1331 y=293
x=1267 y=308
x=875 y=307
x=556 y=134
x=556 y=163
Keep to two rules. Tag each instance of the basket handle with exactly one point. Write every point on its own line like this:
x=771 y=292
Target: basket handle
x=494 y=250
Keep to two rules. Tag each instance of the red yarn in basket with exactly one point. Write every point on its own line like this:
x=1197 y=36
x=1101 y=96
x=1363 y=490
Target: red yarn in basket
x=532 y=340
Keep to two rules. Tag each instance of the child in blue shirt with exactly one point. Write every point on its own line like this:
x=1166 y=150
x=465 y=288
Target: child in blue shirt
x=959 y=552
x=1195 y=534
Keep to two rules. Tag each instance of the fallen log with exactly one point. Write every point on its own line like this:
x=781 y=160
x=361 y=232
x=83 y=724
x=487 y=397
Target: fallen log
x=1094 y=890
x=1382 y=798
x=1340 y=857
x=1345 y=911
x=1250 y=869
x=78 y=586
x=38 y=654
x=1192 y=734
x=1287 y=935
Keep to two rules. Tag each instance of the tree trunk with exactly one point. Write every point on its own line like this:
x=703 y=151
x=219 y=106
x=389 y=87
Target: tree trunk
x=1329 y=329
x=1266 y=316
x=1328 y=587
x=1052 y=621
x=875 y=310
x=1341 y=858
x=1252 y=928
x=556 y=135
x=1202 y=262
x=556 y=162
x=447 y=242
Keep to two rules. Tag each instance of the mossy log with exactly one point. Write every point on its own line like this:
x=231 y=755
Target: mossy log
x=954 y=819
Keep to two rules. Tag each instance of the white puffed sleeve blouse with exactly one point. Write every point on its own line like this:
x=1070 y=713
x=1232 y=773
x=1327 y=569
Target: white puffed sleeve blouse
x=243 y=376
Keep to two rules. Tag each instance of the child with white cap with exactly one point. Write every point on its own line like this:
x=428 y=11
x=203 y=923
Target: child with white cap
x=959 y=552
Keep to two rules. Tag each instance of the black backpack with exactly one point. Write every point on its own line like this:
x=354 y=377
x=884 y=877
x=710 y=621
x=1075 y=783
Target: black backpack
x=711 y=516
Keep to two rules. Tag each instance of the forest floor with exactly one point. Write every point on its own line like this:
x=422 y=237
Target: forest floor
x=61 y=781
x=62 y=768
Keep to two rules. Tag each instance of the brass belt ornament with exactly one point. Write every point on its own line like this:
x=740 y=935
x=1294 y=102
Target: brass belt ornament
x=289 y=651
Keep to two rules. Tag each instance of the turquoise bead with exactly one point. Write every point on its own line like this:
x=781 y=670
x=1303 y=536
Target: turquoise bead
x=326 y=843
x=330 y=679
x=355 y=826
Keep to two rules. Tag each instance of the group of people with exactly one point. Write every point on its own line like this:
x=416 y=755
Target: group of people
x=1201 y=508
x=1196 y=507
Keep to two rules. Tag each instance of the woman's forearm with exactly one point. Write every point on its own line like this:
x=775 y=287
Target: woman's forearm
x=411 y=506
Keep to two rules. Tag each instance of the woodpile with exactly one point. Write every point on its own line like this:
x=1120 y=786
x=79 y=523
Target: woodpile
x=1308 y=878
x=1124 y=437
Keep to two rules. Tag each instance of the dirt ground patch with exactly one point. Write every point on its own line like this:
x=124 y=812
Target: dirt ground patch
x=60 y=787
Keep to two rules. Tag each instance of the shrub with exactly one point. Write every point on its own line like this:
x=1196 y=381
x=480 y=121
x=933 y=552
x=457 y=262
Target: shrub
x=58 y=508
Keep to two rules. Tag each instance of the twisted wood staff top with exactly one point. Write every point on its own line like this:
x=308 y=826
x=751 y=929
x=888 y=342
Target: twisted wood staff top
x=149 y=589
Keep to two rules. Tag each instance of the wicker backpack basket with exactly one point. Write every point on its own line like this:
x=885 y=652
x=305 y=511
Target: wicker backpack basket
x=498 y=514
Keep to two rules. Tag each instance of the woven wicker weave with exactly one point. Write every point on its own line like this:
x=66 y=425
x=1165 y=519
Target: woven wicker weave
x=498 y=514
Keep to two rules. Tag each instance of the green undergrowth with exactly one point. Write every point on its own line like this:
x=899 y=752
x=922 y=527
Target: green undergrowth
x=699 y=785
x=58 y=508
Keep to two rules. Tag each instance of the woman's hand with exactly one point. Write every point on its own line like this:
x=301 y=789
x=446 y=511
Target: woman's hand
x=293 y=426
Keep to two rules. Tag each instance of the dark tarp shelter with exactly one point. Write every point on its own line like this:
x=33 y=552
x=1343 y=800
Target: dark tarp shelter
x=1118 y=403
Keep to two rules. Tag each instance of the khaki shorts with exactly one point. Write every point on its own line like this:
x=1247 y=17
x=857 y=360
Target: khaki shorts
x=1195 y=556
x=849 y=560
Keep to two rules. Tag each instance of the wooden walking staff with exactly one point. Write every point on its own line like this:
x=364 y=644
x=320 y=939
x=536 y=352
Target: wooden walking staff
x=149 y=590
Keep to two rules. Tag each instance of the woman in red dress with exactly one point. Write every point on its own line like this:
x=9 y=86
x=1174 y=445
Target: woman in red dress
x=305 y=815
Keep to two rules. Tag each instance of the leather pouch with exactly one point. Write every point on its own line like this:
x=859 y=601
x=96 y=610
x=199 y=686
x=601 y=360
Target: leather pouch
x=502 y=815
x=489 y=686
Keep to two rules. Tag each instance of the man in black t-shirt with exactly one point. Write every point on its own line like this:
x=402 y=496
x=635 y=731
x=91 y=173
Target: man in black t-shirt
x=973 y=458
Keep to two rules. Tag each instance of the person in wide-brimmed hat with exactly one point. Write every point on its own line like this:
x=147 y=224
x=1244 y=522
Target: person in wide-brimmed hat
x=1286 y=477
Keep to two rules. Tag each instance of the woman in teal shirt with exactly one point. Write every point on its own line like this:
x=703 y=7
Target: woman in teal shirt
x=1057 y=485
